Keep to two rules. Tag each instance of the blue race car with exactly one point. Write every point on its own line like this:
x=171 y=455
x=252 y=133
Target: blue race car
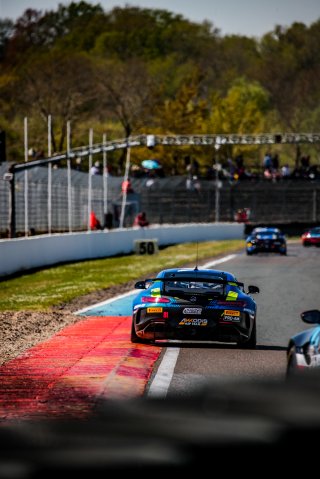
x=194 y=304
x=303 y=350
x=266 y=239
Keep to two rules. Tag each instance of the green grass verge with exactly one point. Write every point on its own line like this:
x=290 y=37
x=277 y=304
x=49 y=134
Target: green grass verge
x=40 y=290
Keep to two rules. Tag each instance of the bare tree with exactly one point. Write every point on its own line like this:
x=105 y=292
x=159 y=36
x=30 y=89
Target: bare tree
x=128 y=93
x=58 y=85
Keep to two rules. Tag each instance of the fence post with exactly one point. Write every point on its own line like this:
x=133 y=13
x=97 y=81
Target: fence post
x=26 y=204
x=105 y=178
x=12 y=206
x=217 y=187
x=124 y=193
x=89 y=176
x=49 y=179
x=69 y=178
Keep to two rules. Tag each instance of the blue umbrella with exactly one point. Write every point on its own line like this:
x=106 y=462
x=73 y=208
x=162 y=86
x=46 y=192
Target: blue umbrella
x=150 y=164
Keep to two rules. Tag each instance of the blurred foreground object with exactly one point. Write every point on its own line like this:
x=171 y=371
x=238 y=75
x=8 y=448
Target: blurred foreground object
x=303 y=350
x=264 y=420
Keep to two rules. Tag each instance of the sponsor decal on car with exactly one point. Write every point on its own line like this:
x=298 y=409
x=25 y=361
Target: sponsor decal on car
x=154 y=310
x=193 y=322
x=192 y=311
x=230 y=315
x=232 y=296
x=231 y=312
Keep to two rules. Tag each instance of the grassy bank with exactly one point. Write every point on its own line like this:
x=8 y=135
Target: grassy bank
x=40 y=290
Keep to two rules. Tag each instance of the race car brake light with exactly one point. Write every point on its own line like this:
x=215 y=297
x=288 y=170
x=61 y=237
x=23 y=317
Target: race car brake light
x=153 y=299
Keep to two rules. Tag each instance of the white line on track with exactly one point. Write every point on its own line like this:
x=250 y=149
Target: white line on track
x=218 y=261
x=161 y=381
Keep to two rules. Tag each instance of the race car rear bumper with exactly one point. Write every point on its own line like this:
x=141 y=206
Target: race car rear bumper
x=311 y=242
x=154 y=329
x=267 y=249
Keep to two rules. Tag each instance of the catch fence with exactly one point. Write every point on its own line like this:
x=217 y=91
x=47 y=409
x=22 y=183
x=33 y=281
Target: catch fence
x=165 y=200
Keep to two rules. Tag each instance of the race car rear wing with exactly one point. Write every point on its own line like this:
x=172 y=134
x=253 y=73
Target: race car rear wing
x=147 y=282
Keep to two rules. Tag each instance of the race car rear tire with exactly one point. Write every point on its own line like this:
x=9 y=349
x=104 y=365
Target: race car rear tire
x=291 y=363
x=252 y=341
x=134 y=338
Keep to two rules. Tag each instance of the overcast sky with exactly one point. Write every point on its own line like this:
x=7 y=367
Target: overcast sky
x=244 y=17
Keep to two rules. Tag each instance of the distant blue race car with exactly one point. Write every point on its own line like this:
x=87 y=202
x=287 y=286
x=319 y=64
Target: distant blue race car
x=303 y=350
x=194 y=304
x=266 y=239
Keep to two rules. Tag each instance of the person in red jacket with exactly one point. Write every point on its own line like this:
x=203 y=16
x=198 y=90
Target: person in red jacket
x=242 y=215
x=94 y=222
x=126 y=186
x=141 y=220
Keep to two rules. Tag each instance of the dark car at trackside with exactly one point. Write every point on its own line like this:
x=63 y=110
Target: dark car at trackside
x=266 y=240
x=194 y=304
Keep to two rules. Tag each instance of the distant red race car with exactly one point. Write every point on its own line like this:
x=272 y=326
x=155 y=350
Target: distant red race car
x=311 y=237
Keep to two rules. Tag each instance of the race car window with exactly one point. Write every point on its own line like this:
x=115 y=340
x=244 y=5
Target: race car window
x=267 y=236
x=198 y=286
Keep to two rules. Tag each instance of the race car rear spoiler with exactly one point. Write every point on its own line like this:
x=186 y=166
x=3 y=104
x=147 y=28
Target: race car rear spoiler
x=146 y=283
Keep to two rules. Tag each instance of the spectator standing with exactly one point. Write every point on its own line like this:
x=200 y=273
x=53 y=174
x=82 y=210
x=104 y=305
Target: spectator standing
x=230 y=168
x=108 y=220
x=95 y=169
x=285 y=171
x=239 y=162
x=126 y=186
x=78 y=164
x=275 y=162
x=267 y=161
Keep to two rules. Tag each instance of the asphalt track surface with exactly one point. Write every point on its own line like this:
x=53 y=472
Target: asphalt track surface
x=95 y=359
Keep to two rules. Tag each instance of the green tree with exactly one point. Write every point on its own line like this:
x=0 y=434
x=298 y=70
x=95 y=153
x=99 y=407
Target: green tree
x=138 y=70
x=243 y=110
x=185 y=114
